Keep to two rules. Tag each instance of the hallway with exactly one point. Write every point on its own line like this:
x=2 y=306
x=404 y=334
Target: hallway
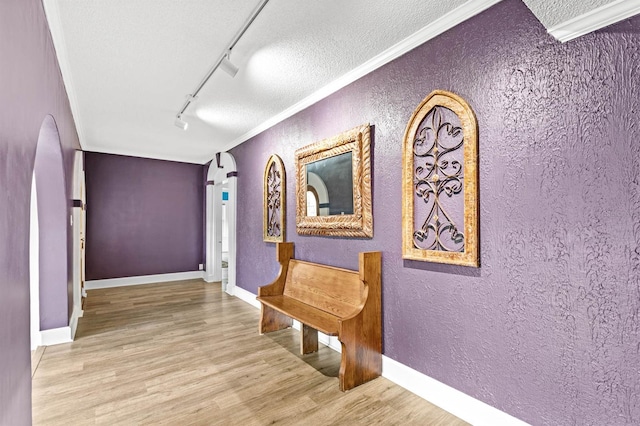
x=187 y=353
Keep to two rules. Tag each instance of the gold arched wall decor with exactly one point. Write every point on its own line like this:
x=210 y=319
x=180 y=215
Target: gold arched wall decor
x=440 y=182
x=274 y=201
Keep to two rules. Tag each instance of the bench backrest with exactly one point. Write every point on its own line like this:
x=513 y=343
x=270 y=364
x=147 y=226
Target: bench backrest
x=334 y=290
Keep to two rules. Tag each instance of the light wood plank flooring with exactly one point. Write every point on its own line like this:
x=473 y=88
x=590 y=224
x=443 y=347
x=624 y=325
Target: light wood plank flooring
x=187 y=353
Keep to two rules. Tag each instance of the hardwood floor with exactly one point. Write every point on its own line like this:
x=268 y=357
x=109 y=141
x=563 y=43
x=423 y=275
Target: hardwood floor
x=187 y=353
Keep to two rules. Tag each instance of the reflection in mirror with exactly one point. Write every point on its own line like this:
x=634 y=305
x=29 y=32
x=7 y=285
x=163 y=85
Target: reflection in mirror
x=312 y=202
x=333 y=186
x=332 y=179
x=321 y=196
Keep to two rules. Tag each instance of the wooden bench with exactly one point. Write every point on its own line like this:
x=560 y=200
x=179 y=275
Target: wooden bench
x=337 y=302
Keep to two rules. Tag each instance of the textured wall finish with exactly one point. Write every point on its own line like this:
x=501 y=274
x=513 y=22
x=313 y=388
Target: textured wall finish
x=547 y=329
x=144 y=217
x=30 y=89
x=53 y=224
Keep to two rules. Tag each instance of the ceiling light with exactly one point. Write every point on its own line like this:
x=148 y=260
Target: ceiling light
x=222 y=62
x=228 y=67
x=181 y=123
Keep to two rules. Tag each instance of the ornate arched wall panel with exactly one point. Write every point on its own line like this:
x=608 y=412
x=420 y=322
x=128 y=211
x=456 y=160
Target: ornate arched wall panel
x=274 y=200
x=440 y=182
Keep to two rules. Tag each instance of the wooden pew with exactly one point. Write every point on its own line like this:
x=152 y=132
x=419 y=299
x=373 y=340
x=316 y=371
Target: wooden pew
x=335 y=301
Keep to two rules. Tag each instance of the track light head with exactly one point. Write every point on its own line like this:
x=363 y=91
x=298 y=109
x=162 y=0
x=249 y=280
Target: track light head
x=228 y=67
x=181 y=123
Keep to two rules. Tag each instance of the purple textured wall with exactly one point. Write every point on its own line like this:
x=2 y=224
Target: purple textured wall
x=144 y=216
x=547 y=329
x=53 y=223
x=30 y=88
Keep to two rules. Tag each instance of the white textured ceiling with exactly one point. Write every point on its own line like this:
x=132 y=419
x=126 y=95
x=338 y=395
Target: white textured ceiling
x=554 y=12
x=128 y=64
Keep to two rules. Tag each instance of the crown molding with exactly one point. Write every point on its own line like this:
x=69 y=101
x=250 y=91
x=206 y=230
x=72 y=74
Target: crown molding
x=52 y=14
x=437 y=27
x=594 y=20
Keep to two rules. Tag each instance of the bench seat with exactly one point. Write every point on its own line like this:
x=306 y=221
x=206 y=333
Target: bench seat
x=337 y=302
x=306 y=314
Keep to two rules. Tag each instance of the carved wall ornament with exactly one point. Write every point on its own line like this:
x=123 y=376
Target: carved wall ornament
x=274 y=200
x=333 y=186
x=440 y=182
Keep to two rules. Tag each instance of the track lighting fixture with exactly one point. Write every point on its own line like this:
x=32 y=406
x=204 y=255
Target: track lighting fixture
x=223 y=62
x=227 y=66
x=181 y=123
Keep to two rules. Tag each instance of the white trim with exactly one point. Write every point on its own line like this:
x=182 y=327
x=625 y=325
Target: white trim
x=246 y=296
x=142 y=279
x=219 y=174
x=77 y=231
x=34 y=267
x=595 y=19
x=55 y=336
x=209 y=278
x=73 y=323
x=449 y=399
x=432 y=30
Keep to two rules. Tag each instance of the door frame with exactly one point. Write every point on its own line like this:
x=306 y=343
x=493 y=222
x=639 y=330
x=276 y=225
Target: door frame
x=79 y=239
x=222 y=173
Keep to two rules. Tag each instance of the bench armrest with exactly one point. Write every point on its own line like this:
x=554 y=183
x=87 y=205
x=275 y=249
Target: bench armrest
x=284 y=253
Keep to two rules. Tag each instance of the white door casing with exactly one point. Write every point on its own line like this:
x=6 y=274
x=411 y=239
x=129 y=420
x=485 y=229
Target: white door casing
x=78 y=238
x=34 y=267
x=222 y=173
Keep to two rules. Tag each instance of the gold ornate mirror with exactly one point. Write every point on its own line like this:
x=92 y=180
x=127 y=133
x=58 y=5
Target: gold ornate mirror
x=333 y=186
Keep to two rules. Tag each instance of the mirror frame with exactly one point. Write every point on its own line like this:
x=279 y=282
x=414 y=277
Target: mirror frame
x=358 y=224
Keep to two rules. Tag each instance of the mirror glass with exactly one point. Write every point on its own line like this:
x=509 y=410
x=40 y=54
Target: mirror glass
x=330 y=186
x=333 y=186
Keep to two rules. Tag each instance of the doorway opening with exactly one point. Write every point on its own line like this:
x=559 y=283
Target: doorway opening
x=221 y=222
x=79 y=238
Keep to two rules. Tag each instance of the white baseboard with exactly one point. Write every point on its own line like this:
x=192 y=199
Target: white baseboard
x=449 y=399
x=73 y=323
x=246 y=296
x=229 y=289
x=595 y=19
x=55 y=336
x=142 y=279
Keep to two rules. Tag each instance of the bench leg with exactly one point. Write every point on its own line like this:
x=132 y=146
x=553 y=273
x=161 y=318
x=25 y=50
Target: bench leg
x=308 y=339
x=358 y=365
x=272 y=320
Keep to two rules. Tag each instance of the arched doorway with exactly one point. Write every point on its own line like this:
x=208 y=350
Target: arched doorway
x=221 y=179
x=48 y=248
x=79 y=238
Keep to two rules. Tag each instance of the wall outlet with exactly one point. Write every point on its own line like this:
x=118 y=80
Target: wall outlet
x=200 y=267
